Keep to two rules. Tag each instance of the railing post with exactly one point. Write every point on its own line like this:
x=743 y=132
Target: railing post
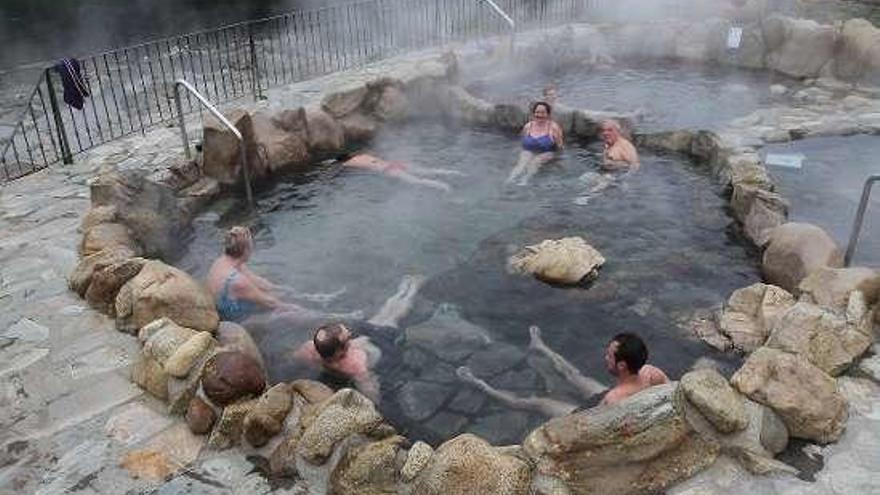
x=255 y=69
x=66 y=155
x=860 y=216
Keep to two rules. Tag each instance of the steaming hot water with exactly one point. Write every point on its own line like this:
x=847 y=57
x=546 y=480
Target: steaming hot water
x=668 y=97
x=663 y=231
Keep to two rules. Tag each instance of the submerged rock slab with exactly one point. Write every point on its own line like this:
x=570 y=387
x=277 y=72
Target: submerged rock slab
x=564 y=261
x=448 y=336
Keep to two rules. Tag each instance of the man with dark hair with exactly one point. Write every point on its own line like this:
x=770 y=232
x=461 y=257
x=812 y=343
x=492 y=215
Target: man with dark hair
x=625 y=358
x=348 y=359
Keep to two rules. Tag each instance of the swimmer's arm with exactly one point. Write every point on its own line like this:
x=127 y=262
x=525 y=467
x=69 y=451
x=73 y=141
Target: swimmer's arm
x=257 y=280
x=307 y=354
x=525 y=129
x=245 y=289
x=558 y=136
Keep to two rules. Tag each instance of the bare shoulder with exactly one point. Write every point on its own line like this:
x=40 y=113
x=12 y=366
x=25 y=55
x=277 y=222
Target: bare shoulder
x=653 y=375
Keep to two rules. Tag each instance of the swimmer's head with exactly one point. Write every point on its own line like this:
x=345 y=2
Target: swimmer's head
x=331 y=341
x=610 y=131
x=625 y=354
x=238 y=242
x=551 y=92
x=541 y=110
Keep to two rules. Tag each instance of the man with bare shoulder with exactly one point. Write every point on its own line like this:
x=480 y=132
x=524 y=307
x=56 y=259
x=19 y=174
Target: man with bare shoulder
x=620 y=154
x=625 y=359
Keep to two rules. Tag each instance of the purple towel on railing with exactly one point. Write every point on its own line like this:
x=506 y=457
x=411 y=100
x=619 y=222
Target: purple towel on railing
x=75 y=90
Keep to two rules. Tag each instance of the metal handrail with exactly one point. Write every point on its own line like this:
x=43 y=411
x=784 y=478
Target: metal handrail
x=181 y=83
x=860 y=217
x=509 y=20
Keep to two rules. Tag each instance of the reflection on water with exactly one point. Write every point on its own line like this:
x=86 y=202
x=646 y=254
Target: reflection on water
x=826 y=190
x=666 y=97
x=663 y=231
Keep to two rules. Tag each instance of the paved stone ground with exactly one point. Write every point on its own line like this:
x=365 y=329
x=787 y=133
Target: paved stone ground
x=69 y=415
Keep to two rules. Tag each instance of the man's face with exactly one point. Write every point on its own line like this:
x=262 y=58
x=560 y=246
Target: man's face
x=609 y=135
x=610 y=359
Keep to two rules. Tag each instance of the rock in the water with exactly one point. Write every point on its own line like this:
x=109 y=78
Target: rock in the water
x=220 y=147
x=831 y=287
x=825 y=339
x=325 y=134
x=266 y=418
x=368 y=469
x=469 y=465
x=233 y=337
x=345 y=413
x=230 y=376
x=358 y=127
x=342 y=103
x=228 y=428
x=159 y=290
x=447 y=335
x=794 y=251
x=563 y=261
x=805 y=397
x=271 y=148
x=417 y=458
x=420 y=400
x=200 y=416
x=641 y=445
x=715 y=399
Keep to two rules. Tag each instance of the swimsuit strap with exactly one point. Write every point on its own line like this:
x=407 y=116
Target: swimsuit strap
x=224 y=294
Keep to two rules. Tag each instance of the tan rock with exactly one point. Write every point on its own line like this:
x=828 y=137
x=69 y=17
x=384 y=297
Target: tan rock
x=106 y=282
x=805 y=397
x=220 y=147
x=108 y=236
x=751 y=313
x=325 y=134
x=467 y=108
x=345 y=413
x=200 y=416
x=228 y=429
x=794 y=251
x=565 y=261
x=391 y=105
x=282 y=461
x=149 y=465
x=858 y=52
x=266 y=418
x=342 y=103
x=98 y=215
x=831 y=287
x=184 y=358
x=806 y=48
x=823 y=338
x=160 y=291
x=467 y=464
x=165 y=337
x=150 y=376
x=417 y=458
x=313 y=392
x=358 y=127
x=81 y=278
x=368 y=469
x=715 y=399
x=747 y=170
x=271 y=148
x=641 y=445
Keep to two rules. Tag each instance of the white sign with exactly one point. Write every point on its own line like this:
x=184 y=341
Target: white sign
x=734 y=37
x=788 y=160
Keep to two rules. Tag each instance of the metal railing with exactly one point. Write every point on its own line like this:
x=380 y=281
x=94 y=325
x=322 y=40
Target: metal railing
x=860 y=217
x=242 y=150
x=131 y=89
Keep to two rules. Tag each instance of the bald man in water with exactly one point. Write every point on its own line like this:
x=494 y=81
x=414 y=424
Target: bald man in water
x=620 y=154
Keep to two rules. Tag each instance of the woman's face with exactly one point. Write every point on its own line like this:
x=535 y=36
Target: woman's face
x=540 y=113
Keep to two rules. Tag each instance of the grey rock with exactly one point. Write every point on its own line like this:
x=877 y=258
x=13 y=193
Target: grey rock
x=448 y=336
x=420 y=400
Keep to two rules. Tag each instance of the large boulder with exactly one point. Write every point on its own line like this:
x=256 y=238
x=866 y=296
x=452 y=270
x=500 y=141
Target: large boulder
x=324 y=133
x=759 y=211
x=149 y=209
x=80 y=279
x=641 y=445
x=230 y=376
x=858 y=53
x=233 y=337
x=358 y=127
x=831 y=287
x=200 y=416
x=107 y=236
x=368 y=469
x=220 y=147
x=751 y=313
x=159 y=290
x=467 y=464
x=339 y=104
x=107 y=280
x=806 y=46
x=794 y=251
x=227 y=431
x=830 y=341
x=345 y=413
x=564 y=261
x=713 y=396
x=805 y=397
x=266 y=418
x=387 y=100
x=277 y=142
x=162 y=338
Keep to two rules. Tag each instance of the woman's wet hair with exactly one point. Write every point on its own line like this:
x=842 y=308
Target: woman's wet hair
x=631 y=350
x=237 y=241
x=546 y=106
x=328 y=339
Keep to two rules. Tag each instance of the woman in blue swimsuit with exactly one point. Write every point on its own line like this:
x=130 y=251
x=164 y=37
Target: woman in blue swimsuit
x=541 y=139
x=239 y=293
